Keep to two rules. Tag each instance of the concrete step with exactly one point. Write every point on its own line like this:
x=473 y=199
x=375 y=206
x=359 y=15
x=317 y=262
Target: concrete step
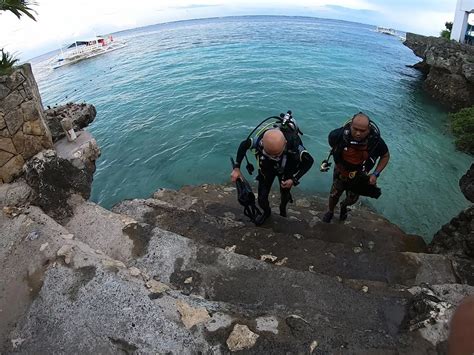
x=301 y=306
x=182 y=296
x=118 y=236
x=304 y=217
x=292 y=250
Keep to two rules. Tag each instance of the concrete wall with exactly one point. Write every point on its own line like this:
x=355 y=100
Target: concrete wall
x=463 y=9
x=23 y=131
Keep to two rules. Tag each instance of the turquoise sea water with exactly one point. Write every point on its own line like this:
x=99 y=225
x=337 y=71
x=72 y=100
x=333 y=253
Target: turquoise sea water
x=175 y=103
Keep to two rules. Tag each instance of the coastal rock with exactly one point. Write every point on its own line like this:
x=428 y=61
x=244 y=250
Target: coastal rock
x=82 y=152
x=54 y=180
x=448 y=68
x=431 y=309
x=81 y=114
x=467 y=184
x=15 y=194
x=456 y=237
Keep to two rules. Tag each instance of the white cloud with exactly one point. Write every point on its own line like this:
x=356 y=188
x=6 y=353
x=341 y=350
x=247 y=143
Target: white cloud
x=59 y=21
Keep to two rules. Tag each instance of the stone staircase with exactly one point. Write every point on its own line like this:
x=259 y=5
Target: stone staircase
x=186 y=272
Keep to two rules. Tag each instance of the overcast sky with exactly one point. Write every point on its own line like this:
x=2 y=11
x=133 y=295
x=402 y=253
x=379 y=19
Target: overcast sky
x=59 y=21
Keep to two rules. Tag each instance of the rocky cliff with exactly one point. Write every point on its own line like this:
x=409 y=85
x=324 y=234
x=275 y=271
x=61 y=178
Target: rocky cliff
x=449 y=69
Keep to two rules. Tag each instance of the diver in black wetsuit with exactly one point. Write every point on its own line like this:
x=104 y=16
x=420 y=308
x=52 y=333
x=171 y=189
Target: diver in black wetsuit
x=279 y=154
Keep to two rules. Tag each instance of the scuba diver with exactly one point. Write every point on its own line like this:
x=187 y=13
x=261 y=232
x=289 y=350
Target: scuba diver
x=355 y=147
x=280 y=154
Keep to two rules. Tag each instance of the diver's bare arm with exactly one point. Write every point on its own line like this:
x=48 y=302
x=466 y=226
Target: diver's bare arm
x=383 y=162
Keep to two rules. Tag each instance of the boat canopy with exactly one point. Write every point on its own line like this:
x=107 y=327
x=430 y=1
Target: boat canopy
x=85 y=42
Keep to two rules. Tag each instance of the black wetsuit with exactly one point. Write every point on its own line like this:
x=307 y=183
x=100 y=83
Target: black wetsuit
x=293 y=164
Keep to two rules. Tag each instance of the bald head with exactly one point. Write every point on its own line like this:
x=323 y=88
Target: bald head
x=274 y=142
x=360 y=127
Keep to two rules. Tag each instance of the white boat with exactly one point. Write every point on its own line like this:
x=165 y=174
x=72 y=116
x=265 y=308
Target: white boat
x=387 y=31
x=84 y=49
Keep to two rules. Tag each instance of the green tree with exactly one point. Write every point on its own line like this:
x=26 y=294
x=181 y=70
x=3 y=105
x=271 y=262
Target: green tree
x=18 y=8
x=447 y=32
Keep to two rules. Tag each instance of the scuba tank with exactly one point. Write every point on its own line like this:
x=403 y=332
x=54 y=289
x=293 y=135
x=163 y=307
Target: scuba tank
x=285 y=122
x=373 y=137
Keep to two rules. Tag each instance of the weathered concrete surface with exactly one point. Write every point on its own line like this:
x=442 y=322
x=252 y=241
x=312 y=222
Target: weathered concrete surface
x=82 y=153
x=117 y=236
x=107 y=309
x=22 y=235
x=81 y=114
x=339 y=250
x=171 y=293
x=449 y=69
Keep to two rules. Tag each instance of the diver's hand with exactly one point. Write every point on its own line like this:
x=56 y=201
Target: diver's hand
x=236 y=174
x=287 y=184
x=372 y=179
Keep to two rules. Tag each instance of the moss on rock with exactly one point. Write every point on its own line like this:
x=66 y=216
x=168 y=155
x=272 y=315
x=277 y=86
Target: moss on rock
x=462 y=124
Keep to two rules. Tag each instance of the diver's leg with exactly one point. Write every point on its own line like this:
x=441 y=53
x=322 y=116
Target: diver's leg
x=285 y=198
x=337 y=189
x=265 y=181
x=351 y=198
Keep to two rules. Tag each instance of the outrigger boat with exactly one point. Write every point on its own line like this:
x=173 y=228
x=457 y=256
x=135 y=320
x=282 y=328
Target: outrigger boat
x=84 y=49
x=387 y=31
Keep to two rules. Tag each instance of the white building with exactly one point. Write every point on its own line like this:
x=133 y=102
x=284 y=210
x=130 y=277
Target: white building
x=463 y=9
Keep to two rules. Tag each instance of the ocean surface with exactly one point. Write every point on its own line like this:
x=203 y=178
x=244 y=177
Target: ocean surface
x=175 y=103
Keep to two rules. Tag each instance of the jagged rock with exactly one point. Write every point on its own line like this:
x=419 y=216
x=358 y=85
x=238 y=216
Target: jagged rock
x=449 y=69
x=432 y=307
x=467 y=184
x=81 y=114
x=54 y=180
x=457 y=237
x=241 y=338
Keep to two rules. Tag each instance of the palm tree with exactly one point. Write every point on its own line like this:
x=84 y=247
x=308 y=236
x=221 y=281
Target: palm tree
x=7 y=61
x=19 y=7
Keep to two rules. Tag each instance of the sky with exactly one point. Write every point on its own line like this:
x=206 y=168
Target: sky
x=61 y=21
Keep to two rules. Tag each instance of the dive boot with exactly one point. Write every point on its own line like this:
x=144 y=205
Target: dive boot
x=343 y=213
x=261 y=218
x=328 y=216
